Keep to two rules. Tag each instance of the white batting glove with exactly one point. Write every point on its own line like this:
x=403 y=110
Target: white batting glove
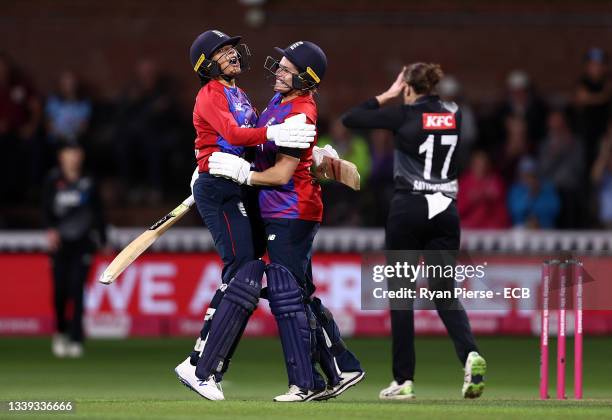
x=294 y=132
x=194 y=176
x=319 y=152
x=230 y=166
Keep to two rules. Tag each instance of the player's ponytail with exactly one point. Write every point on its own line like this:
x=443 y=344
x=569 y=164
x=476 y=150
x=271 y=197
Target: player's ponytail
x=423 y=77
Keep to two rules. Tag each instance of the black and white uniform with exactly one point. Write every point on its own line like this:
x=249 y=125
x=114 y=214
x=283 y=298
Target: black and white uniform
x=423 y=213
x=74 y=209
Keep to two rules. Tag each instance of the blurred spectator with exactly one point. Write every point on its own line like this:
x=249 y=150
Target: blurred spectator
x=341 y=203
x=145 y=132
x=514 y=149
x=75 y=228
x=379 y=189
x=601 y=176
x=523 y=102
x=593 y=95
x=482 y=196
x=562 y=161
x=533 y=202
x=20 y=114
x=450 y=90
x=67 y=112
x=349 y=146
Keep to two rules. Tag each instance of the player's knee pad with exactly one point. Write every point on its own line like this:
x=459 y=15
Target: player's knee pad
x=238 y=303
x=296 y=324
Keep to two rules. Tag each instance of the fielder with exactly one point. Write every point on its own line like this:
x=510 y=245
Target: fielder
x=225 y=121
x=291 y=207
x=423 y=214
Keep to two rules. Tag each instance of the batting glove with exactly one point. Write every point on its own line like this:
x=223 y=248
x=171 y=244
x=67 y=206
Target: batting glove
x=294 y=132
x=319 y=152
x=230 y=166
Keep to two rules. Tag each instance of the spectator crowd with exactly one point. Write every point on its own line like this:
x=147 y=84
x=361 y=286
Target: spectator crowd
x=529 y=161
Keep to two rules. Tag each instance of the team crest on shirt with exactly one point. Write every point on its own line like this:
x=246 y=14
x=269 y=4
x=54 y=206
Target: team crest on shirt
x=439 y=121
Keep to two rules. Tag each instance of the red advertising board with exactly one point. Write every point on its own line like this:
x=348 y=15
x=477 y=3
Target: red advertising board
x=167 y=294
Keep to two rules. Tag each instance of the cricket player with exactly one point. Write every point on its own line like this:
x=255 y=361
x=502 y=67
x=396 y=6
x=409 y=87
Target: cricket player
x=225 y=120
x=291 y=207
x=423 y=213
x=75 y=230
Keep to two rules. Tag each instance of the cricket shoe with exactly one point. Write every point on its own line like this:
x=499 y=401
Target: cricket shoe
x=347 y=380
x=297 y=394
x=395 y=391
x=74 y=350
x=209 y=388
x=59 y=345
x=473 y=381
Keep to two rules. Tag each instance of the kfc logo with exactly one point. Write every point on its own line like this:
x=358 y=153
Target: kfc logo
x=439 y=121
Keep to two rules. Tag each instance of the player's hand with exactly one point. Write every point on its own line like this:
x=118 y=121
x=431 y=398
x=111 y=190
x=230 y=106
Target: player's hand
x=230 y=166
x=319 y=152
x=395 y=89
x=294 y=132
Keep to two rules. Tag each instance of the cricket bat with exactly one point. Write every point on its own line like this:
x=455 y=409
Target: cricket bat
x=339 y=170
x=144 y=241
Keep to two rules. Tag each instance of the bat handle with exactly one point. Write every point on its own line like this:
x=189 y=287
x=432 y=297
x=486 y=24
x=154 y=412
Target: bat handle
x=189 y=201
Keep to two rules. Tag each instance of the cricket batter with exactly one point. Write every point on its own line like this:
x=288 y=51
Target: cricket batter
x=291 y=207
x=225 y=121
x=423 y=213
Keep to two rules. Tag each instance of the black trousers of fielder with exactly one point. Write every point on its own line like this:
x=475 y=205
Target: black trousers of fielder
x=70 y=265
x=408 y=228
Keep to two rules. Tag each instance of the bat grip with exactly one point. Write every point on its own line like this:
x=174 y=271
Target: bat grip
x=189 y=201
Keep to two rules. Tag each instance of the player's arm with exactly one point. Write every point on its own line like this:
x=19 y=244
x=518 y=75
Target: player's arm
x=279 y=174
x=370 y=114
x=292 y=133
x=239 y=170
x=49 y=219
x=215 y=110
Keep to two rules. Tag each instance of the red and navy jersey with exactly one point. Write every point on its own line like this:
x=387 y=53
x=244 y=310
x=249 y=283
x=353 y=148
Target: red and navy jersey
x=300 y=198
x=220 y=115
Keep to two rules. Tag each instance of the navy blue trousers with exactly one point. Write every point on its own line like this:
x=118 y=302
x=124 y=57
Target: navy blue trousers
x=290 y=244
x=221 y=206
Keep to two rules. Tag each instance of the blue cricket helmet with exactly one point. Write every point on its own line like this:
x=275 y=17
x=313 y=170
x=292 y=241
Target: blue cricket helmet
x=203 y=48
x=310 y=60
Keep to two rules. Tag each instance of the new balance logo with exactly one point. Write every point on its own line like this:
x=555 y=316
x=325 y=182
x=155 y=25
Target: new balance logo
x=219 y=33
x=242 y=209
x=439 y=121
x=271 y=237
x=295 y=45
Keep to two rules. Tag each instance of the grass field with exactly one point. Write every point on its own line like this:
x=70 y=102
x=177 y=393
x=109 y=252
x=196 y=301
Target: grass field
x=134 y=379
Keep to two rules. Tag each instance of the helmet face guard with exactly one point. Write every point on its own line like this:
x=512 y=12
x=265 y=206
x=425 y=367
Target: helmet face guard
x=210 y=69
x=299 y=81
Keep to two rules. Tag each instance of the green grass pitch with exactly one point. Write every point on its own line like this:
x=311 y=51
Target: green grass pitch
x=134 y=379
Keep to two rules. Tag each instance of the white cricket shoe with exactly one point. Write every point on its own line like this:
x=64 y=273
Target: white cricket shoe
x=59 y=345
x=297 y=394
x=395 y=391
x=347 y=380
x=209 y=388
x=74 y=350
x=473 y=380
